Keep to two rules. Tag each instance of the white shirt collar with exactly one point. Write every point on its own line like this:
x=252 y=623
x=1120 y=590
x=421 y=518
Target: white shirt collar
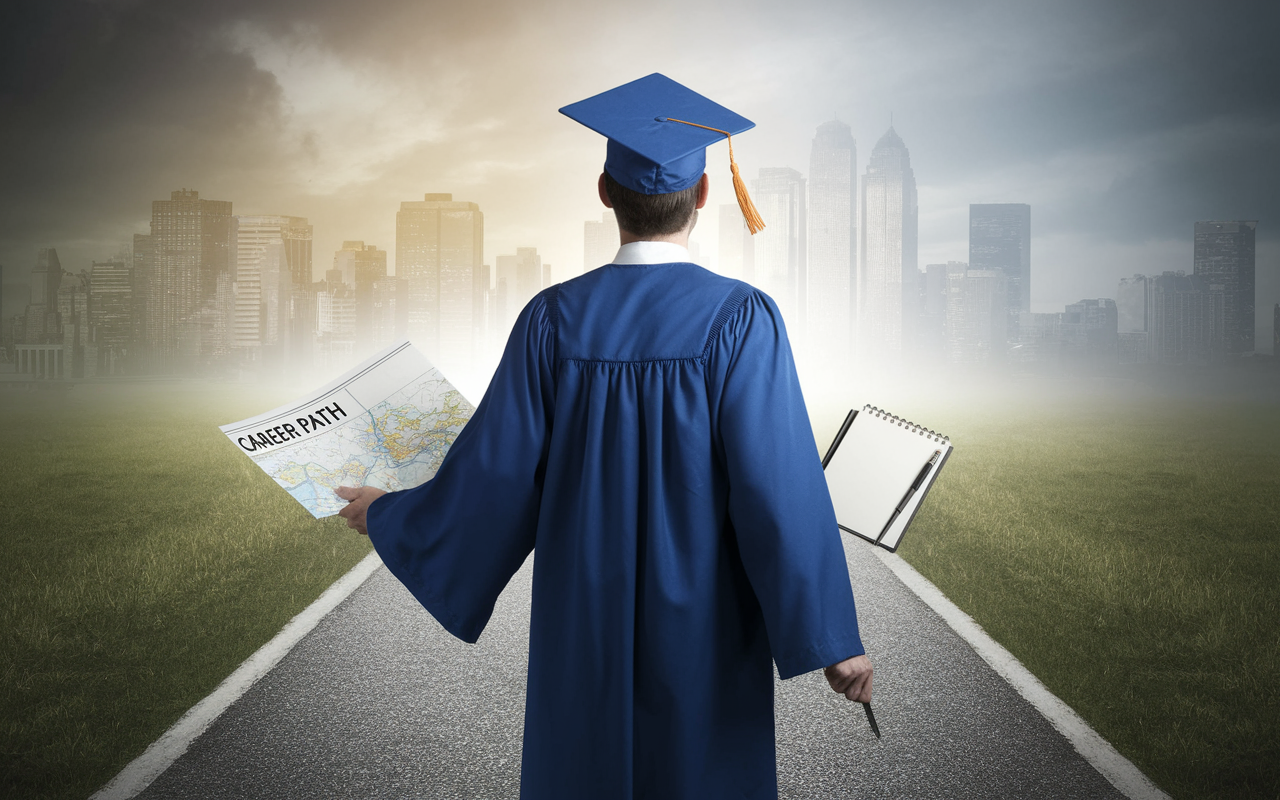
x=651 y=253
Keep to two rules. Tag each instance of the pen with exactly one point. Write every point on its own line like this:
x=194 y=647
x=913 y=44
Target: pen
x=906 y=498
x=871 y=718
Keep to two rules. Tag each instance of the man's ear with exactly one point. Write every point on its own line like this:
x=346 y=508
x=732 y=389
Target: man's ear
x=704 y=189
x=604 y=196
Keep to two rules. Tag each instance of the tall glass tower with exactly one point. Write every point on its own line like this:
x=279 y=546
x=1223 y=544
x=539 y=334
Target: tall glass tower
x=1224 y=257
x=833 y=242
x=1000 y=240
x=439 y=251
x=887 y=284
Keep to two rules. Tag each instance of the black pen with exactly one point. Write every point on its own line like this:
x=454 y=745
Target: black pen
x=871 y=718
x=915 y=486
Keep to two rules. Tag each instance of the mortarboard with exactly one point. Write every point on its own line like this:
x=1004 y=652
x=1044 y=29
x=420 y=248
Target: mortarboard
x=658 y=132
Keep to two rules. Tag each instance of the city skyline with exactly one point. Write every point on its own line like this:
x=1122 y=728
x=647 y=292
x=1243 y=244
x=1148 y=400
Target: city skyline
x=1118 y=129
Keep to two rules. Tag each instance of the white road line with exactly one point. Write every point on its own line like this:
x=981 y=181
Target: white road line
x=1117 y=769
x=144 y=769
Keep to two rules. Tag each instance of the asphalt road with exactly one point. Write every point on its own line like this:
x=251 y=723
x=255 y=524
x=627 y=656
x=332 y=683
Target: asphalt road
x=379 y=702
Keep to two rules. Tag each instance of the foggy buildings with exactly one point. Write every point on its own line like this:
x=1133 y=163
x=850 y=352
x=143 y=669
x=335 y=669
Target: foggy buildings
x=40 y=322
x=600 y=241
x=1224 y=257
x=186 y=265
x=360 y=268
x=1132 y=320
x=887 y=266
x=833 y=242
x=1089 y=331
x=111 y=308
x=778 y=251
x=1000 y=240
x=440 y=255
x=736 y=250
x=976 y=314
x=1187 y=319
x=932 y=335
x=273 y=256
x=519 y=278
x=79 y=352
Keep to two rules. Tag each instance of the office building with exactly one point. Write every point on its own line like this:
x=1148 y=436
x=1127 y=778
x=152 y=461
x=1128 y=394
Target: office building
x=40 y=321
x=519 y=278
x=1224 y=257
x=439 y=251
x=360 y=267
x=1000 y=240
x=600 y=241
x=832 y=252
x=736 y=259
x=111 y=307
x=976 y=313
x=186 y=265
x=1132 y=312
x=886 y=286
x=778 y=251
x=271 y=251
x=1186 y=318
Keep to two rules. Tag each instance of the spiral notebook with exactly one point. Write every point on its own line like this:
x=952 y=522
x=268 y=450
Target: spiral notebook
x=872 y=466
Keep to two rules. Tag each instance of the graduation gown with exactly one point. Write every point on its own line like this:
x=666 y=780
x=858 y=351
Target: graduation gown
x=645 y=437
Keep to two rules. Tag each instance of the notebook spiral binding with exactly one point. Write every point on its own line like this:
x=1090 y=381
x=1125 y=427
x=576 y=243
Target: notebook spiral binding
x=933 y=436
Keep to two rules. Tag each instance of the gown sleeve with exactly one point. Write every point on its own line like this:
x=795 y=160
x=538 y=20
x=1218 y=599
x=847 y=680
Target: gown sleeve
x=456 y=540
x=779 y=506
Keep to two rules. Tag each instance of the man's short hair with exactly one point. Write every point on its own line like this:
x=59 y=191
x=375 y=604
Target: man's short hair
x=647 y=215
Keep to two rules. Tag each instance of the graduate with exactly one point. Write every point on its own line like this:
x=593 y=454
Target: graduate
x=645 y=437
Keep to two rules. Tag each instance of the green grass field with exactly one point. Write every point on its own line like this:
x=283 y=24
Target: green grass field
x=1127 y=551
x=145 y=559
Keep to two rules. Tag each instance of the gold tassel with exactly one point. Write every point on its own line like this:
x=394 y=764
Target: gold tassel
x=754 y=223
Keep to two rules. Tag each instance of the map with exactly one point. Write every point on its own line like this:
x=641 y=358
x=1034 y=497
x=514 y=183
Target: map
x=387 y=423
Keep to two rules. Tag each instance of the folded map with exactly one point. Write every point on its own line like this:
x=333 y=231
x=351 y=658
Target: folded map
x=387 y=423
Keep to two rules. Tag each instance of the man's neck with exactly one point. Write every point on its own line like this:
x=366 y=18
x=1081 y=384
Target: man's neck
x=681 y=238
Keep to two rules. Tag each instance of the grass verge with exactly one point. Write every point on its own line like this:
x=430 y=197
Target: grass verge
x=1127 y=551
x=146 y=560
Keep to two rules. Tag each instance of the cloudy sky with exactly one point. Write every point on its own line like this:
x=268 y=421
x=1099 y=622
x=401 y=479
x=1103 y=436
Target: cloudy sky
x=1121 y=123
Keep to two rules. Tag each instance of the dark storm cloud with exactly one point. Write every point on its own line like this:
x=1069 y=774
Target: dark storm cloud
x=104 y=102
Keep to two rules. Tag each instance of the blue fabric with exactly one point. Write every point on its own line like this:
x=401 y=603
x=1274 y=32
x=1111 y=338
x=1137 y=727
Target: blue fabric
x=648 y=153
x=646 y=437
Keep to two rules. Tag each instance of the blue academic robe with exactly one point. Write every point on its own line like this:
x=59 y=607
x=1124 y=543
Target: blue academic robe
x=646 y=437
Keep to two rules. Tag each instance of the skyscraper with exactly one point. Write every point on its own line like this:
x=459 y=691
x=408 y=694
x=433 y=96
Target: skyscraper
x=887 y=285
x=833 y=241
x=778 y=251
x=1186 y=318
x=41 y=317
x=599 y=241
x=273 y=254
x=1000 y=239
x=1132 y=319
x=111 y=313
x=975 y=316
x=439 y=250
x=361 y=266
x=736 y=249
x=190 y=249
x=1224 y=257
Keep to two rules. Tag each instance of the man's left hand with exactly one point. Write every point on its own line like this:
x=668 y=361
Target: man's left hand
x=358 y=500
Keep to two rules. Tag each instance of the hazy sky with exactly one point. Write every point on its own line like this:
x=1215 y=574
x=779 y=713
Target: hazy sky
x=1121 y=123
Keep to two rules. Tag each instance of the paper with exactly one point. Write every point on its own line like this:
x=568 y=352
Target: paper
x=387 y=423
x=872 y=470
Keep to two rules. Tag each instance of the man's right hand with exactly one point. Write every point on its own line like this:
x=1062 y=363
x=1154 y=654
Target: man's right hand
x=851 y=678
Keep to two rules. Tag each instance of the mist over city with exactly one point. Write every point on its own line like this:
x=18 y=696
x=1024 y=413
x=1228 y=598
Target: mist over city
x=1106 y=134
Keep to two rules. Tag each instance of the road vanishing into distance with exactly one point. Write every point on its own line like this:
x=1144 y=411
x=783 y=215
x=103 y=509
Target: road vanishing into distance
x=378 y=701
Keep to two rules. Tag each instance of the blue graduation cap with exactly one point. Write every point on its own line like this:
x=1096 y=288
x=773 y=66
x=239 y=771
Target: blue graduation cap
x=658 y=132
